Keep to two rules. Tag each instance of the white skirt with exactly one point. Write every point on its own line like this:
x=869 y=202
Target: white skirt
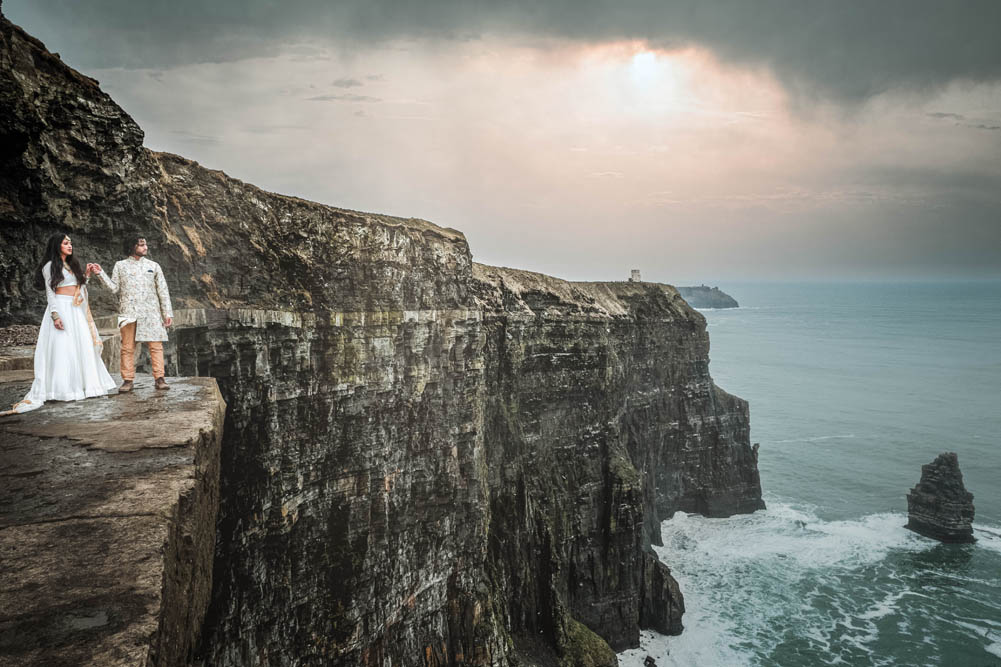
x=68 y=365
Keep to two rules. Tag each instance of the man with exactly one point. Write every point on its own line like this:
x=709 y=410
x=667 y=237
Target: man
x=144 y=309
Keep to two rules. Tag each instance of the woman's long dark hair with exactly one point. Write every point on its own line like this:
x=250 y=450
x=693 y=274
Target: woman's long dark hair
x=53 y=255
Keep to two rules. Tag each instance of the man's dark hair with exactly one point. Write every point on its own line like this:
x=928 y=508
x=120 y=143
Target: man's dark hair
x=130 y=243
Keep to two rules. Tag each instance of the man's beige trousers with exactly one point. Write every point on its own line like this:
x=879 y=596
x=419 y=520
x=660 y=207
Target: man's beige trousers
x=128 y=362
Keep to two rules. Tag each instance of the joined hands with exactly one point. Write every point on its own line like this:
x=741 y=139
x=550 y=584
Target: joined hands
x=93 y=267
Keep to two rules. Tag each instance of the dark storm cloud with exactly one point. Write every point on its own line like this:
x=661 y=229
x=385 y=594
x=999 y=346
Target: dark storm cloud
x=960 y=117
x=847 y=51
x=932 y=182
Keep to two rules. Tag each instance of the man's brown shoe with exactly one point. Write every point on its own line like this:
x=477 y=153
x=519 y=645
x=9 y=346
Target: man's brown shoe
x=126 y=387
x=161 y=384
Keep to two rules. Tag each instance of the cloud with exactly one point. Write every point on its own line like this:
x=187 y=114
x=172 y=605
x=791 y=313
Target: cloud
x=934 y=181
x=347 y=83
x=791 y=199
x=194 y=138
x=844 y=51
x=272 y=129
x=960 y=117
x=348 y=97
x=491 y=150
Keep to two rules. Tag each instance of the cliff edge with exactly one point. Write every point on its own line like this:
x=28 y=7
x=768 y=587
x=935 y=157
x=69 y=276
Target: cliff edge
x=107 y=525
x=426 y=461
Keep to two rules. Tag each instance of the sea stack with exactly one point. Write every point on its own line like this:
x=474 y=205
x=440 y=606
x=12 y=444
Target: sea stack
x=939 y=506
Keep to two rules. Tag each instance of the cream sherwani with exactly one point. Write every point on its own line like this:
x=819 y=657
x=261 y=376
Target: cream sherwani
x=142 y=297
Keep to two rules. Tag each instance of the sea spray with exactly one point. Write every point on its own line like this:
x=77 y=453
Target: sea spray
x=786 y=587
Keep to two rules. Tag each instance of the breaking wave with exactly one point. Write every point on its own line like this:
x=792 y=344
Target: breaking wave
x=785 y=587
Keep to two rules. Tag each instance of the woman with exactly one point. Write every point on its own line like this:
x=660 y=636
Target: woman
x=68 y=363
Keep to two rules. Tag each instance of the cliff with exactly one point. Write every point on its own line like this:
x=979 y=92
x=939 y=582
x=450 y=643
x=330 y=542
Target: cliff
x=426 y=461
x=107 y=512
x=702 y=296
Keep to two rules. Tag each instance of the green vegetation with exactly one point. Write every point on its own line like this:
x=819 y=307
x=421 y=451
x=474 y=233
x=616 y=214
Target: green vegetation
x=583 y=648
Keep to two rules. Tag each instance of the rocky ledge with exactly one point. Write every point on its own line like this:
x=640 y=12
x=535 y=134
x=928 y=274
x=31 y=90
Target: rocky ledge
x=702 y=296
x=939 y=506
x=107 y=524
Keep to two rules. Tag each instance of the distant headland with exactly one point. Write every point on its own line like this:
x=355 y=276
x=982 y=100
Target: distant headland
x=703 y=296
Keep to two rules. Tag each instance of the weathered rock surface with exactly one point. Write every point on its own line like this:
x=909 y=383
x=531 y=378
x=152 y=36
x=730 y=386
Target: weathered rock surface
x=939 y=506
x=107 y=513
x=18 y=335
x=702 y=296
x=426 y=460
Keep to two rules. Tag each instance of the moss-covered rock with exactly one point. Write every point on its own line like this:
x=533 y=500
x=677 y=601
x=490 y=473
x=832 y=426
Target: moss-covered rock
x=583 y=648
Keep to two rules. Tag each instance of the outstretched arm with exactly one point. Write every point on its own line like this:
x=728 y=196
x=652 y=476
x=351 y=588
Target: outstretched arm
x=114 y=282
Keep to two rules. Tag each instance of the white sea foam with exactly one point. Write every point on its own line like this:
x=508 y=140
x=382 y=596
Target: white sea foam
x=979 y=633
x=699 y=645
x=752 y=580
x=786 y=534
x=988 y=537
x=885 y=607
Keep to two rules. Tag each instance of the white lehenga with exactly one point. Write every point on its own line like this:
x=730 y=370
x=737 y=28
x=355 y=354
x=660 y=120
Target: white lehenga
x=68 y=364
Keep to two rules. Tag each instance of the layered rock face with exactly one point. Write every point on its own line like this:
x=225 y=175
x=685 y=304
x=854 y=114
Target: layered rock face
x=601 y=421
x=939 y=506
x=426 y=461
x=69 y=157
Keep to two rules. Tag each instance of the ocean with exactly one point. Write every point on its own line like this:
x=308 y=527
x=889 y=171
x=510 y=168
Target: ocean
x=852 y=388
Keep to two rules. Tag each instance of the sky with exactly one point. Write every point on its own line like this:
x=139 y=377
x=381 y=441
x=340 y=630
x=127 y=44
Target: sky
x=697 y=141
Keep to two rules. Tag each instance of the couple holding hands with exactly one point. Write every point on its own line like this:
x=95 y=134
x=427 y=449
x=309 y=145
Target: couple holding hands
x=68 y=364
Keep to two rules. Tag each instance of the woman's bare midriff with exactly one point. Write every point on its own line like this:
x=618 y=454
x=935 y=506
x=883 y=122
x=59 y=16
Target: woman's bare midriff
x=68 y=291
